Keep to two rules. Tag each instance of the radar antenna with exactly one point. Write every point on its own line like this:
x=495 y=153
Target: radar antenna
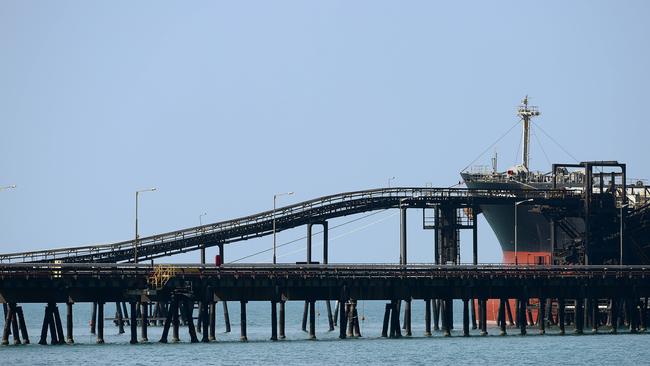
x=526 y=113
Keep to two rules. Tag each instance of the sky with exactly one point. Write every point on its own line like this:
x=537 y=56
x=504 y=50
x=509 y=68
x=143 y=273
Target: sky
x=221 y=104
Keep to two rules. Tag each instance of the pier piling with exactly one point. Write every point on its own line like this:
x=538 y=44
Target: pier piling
x=427 y=318
x=213 y=321
x=134 y=324
x=465 y=317
x=274 y=321
x=144 y=322
x=69 y=324
x=384 y=328
x=342 y=319
x=330 y=318
x=502 y=316
x=242 y=322
x=407 y=317
x=226 y=316
x=205 y=327
x=100 y=322
x=312 y=319
x=560 y=311
x=281 y=320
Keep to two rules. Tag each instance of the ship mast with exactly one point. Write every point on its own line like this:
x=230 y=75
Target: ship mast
x=526 y=112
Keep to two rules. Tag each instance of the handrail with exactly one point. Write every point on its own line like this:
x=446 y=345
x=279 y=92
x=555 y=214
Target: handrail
x=390 y=197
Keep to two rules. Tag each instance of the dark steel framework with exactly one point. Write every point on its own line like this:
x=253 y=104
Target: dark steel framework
x=312 y=211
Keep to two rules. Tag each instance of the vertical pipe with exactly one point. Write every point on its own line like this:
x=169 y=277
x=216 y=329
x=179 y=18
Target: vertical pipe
x=118 y=315
x=402 y=237
x=134 y=323
x=325 y=245
x=144 y=321
x=427 y=317
x=474 y=237
x=309 y=226
x=312 y=319
x=242 y=322
x=330 y=319
x=100 y=322
x=274 y=321
x=69 y=325
x=205 y=327
x=541 y=315
x=465 y=317
x=282 y=320
x=560 y=311
x=213 y=321
x=384 y=328
x=309 y=234
x=226 y=316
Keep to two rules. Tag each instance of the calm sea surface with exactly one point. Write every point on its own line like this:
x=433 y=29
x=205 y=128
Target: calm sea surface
x=622 y=349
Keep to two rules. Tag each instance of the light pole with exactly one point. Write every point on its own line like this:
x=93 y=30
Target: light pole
x=275 y=197
x=517 y=203
x=7 y=187
x=202 y=246
x=620 y=259
x=135 y=242
x=389 y=179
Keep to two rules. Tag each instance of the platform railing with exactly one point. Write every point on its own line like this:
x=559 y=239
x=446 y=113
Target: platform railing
x=163 y=273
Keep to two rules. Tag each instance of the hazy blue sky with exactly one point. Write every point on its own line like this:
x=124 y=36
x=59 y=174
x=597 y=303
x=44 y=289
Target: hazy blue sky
x=222 y=104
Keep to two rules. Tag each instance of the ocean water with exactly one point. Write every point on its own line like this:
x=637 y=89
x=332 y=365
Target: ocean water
x=588 y=349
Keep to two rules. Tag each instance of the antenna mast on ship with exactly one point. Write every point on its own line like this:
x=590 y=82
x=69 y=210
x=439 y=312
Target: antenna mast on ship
x=526 y=112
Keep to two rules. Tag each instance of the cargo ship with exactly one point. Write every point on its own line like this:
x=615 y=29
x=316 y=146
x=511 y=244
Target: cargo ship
x=533 y=242
x=522 y=229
